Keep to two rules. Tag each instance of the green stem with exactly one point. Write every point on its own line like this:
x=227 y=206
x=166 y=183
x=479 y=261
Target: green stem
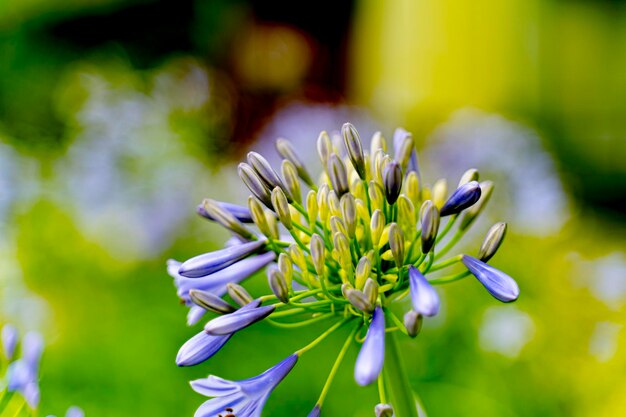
x=399 y=390
x=322 y=336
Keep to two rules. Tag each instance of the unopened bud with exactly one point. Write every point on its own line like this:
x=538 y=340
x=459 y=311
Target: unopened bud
x=363 y=271
x=492 y=241
x=238 y=294
x=278 y=284
x=322 y=202
x=359 y=300
x=463 y=197
x=383 y=410
x=337 y=174
x=392 y=181
x=265 y=171
x=377 y=225
x=285 y=149
x=413 y=322
x=226 y=219
x=430 y=225
x=337 y=225
x=370 y=289
x=318 y=253
x=486 y=188
x=297 y=256
x=468 y=176
x=377 y=197
x=324 y=148
x=272 y=224
x=348 y=210
x=404 y=150
x=440 y=192
x=396 y=243
x=256 y=186
x=292 y=182
x=355 y=148
x=286 y=267
x=413 y=188
x=210 y=301
x=333 y=204
x=281 y=207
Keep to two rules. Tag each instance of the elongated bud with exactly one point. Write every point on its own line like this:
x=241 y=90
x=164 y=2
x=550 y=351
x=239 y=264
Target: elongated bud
x=440 y=192
x=393 y=181
x=239 y=294
x=285 y=149
x=377 y=225
x=499 y=284
x=369 y=362
x=342 y=246
x=338 y=175
x=210 y=301
x=377 y=198
x=324 y=148
x=292 y=182
x=286 y=267
x=348 y=210
x=362 y=211
x=396 y=243
x=370 y=289
x=333 y=204
x=311 y=207
x=357 y=189
x=413 y=323
x=345 y=288
x=463 y=197
x=281 y=207
x=272 y=224
x=492 y=241
x=424 y=298
x=278 y=284
x=469 y=176
x=404 y=151
x=254 y=184
x=382 y=160
x=318 y=253
x=226 y=219
x=258 y=216
x=359 y=300
x=363 y=271
x=322 y=202
x=355 y=148
x=413 y=188
x=265 y=171
x=486 y=188
x=430 y=225
x=406 y=216
x=297 y=256
x=337 y=225
x=378 y=142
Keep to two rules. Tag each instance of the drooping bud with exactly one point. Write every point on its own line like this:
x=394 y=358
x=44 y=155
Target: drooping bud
x=239 y=294
x=324 y=148
x=486 y=188
x=208 y=263
x=318 y=253
x=311 y=207
x=285 y=149
x=499 y=284
x=226 y=219
x=286 y=267
x=337 y=174
x=440 y=192
x=370 y=289
x=348 y=210
x=413 y=322
x=463 y=197
x=355 y=148
x=210 y=301
x=363 y=270
x=292 y=182
x=493 y=239
x=396 y=243
x=377 y=197
x=281 y=207
x=254 y=184
x=278 y=284
x=242 y=318
x=383 y=410
x=371 y=357
x=430 y=225
x=392 y=181
x=469 y=176
x=424 y=298
x=377 y=225
x=265 y=171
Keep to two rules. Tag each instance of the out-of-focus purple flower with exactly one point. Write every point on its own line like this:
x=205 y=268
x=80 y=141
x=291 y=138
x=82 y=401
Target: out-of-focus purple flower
x=9 y=340
x=74 y=411
x=194 y=314
x=209 y=263
x=499 y=284
x=22 y=375
x=315 y=412
x=424 y=298
x=241 y=398
x=244 y=317
x=370 y=361
x=463 y=197
x=241 y=213
x=203 y=345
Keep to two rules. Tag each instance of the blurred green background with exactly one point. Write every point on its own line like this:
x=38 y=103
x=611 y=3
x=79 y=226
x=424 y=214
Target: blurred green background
x=118 y=116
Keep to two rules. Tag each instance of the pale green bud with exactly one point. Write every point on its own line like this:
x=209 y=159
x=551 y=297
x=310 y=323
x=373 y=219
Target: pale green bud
x=318 y=253
x=297 y=256
x=226 y=219
x=470 y=214
x=278 y=284
x=370 y=289
x=337 y=225
x=492 y=241
x=281 y=207
x=348 y=211
x=285 y=149
x=238 y=294
x=413 y=322
x=292 y=182
x=377 y=225
x=363 y=271
x=396 y=244
x=357 y=189
x=322 y=203
x=286 y=267
x=311 y=207
x=333 y=204
x=257 y=213
x=469 y=176
x=337 y=174
x=272 y=224
x=430 y=225
x=210 y=301
x=412 y=188
x=377 y=196
x=440 y=192
x=355 y=148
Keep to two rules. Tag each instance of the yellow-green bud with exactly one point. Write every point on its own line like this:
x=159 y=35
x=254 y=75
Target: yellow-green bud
x=324 y=148
x=238 y=294
x=322 y=202
x=311 y=207
x=363 y=271
x=412 y=188
x=355 y=148
x=413 y=323
x=318 y=253
x=292 y=182
x=286 y=267
x=492 y=241
x=404 y=151
x=377 y=225
x=348 y=211
x=469 y=176
x=226 y=219
x=281 y=207
x=430 y=225
x=337 y=174
x=257 y=213
x=278 y=284
x=470 y=214
x=337 y=225
x=370 y=289
x=297 y=256
x=396 y=244
x=333 y=204
x=377 y=196
x=440 y=192
x=272 y=224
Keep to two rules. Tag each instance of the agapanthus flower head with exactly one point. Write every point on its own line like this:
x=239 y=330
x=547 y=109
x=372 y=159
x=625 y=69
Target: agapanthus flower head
x=342 y=250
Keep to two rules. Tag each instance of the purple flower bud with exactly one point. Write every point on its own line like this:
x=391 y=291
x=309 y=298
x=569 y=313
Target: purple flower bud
x=370 y=361
x=463 y=197
x=424 y=298
x=241 y=398
x=211 y=262
x=200 y=348
x=195 y=314
x=499 y=284
x=393 y=181
x=316 y=411
x=240 y=212
x=244 y=317
x=74 y=411
x=9 y=340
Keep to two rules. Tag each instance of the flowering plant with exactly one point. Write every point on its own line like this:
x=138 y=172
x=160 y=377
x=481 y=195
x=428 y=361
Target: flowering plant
x=366 y=235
